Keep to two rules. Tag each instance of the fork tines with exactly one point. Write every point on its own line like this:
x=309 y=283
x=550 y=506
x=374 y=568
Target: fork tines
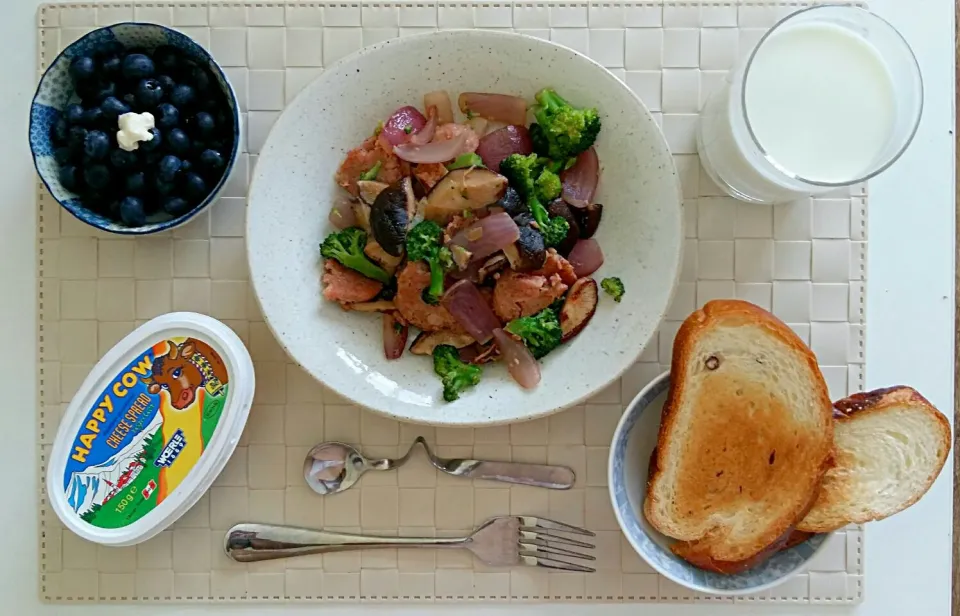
x=543 y=548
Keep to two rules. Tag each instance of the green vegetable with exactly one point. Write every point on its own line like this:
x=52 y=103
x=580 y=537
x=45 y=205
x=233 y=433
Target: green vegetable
x=562 y=131
x=548 y=186
x=408 y=128
x=540 y=332
x=613 y=287
x=470 y=114
x=424 y=243
x=347 y=247
x=371 y=174
x=524 y=173
x=455 y=375
x=464 y=161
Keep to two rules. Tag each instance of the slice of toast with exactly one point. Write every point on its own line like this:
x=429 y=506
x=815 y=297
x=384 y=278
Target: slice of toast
x=745 y=437
x=890 y=445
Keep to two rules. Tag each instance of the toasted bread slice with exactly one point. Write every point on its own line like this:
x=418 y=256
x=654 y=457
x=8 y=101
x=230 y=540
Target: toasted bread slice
x=890 y=445
x=745 y=437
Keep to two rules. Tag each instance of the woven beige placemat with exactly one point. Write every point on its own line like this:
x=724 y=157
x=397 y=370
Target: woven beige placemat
x=805 y=261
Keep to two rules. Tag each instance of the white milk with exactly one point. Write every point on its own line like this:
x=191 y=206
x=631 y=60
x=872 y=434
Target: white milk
x=821 y=104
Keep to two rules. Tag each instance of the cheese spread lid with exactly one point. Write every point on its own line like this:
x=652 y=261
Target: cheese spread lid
x=149 y=430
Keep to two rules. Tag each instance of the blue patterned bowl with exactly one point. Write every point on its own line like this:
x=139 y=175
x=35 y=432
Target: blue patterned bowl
x=56 y=91
x=633 y=443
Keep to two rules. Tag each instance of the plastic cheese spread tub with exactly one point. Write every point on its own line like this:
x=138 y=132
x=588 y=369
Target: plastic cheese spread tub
x=150 y=429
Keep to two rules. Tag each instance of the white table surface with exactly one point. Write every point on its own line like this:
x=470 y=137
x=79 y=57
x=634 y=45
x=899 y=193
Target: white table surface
x=910 y=308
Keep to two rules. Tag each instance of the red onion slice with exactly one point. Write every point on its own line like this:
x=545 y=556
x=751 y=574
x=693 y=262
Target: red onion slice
x=586 y=257
x=487 y=236
x=403 y=123
x=425 y=134
x=520 y=363
x=394 y=336
x=509 y=109
x=465 y=303
x=342 y=215
x=433 y=152
x=580 y=180
x=499 y=144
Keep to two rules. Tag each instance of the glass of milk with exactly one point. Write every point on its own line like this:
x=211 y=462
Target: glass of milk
x=830 y=96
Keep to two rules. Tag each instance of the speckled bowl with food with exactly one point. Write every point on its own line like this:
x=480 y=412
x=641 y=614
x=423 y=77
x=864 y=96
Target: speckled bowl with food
x=293 y=190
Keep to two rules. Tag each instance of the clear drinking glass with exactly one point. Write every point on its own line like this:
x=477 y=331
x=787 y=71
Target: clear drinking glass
x=777 y=129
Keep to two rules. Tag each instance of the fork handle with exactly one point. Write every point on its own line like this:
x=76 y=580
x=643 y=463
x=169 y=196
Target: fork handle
x=539 y=475
x=255 y=542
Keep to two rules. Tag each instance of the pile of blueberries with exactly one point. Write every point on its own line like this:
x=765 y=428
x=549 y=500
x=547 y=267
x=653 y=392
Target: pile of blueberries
x=173 y=172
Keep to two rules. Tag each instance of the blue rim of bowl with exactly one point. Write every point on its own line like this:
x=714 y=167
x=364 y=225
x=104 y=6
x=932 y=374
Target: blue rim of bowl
x=628 y=520
x=214 y=194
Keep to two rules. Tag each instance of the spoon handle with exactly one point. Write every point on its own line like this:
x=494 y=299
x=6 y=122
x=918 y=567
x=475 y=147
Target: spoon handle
x=539 y=475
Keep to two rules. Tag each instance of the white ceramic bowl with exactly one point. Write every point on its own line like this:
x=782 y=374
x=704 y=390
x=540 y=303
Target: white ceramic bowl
x=293 y=189
x=633 y=443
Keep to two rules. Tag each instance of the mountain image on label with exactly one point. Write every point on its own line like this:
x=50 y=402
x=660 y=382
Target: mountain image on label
x=147 y=431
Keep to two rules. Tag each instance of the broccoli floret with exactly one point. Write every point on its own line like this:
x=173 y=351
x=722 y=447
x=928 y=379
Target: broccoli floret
x=613 y=287
x=540 y=332
x=424 y=243
x=455 y=375
x=371 y=174
x=464 y=161
x=523 y=173
x=548 y=186
x=562 y=131
x=347 y=247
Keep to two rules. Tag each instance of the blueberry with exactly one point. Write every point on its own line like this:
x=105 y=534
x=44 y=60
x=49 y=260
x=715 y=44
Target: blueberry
x=96 y=145
x=73 y=113
x=182 y=95
x=166 y=115
x=110 y=48
x=185 y=165
x=137 y=66
x=194 y=186
x=178 y=142
x=76 y=137
x=153 y=157
x=105 y=89
x=168 y=167
x=112 y=107
x=167 y=58
x=131 y=212
x=70 y=177
x=211 y=160
x=62 y=155
x=122 y=159
x=136 y=183
x=96 y=201
x=199 y=78
x=82 y=68
x=110 y=66
x=162 y=186
x=60 y=131
x=175 y=206
x=204 y=124
x=97 y=176
x=149 y=92
x=167 y=83
x=130 y=99
x=92 y=117
x=153 y=144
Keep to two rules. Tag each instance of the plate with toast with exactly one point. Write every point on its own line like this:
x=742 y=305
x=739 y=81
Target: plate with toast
x=728 y=472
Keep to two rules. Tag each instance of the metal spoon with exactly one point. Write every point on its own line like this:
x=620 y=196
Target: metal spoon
x=334 y=467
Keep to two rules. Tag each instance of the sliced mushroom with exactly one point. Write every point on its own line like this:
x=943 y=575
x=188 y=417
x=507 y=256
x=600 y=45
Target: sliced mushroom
x=578 y=308
x=381 y=257
x=528 y=253
x=361 y=211
x=486 y=354
x=380 y=305
x=369 y=189
x=390 y=215
x=425 y=342
x=491 y=266
x=463 y=190
x=589 y=219
x=511 y=202
x=461 y=256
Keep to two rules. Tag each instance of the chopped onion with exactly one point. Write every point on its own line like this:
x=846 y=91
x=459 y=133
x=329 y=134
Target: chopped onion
x=425 y=134
x=499 y=144
x=586 y=257
x=487 y=236
x=520 y=363
x=478 y=125
x=433 y=152
x=580 y=180
x=441 y=100
x=403 y=123
x=394 y=336
x=342 y=215
x=467 y=305
x=509 y=109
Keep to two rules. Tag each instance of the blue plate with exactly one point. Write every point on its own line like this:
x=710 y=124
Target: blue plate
x=633 y=443
x=56 y=91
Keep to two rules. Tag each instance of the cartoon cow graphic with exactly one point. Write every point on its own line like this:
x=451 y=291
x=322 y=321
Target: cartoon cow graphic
x=184 y=369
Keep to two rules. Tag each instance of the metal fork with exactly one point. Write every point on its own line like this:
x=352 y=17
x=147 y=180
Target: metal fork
x=499 y=542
